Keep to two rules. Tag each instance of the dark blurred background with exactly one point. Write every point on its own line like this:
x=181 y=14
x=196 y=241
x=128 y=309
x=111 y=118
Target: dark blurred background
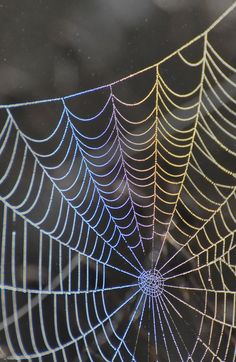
x=54 y=48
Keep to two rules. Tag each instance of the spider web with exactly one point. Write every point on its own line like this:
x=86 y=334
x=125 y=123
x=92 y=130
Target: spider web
x=130 y=217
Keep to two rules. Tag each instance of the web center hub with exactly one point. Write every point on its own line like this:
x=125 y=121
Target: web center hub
x=151 y=282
